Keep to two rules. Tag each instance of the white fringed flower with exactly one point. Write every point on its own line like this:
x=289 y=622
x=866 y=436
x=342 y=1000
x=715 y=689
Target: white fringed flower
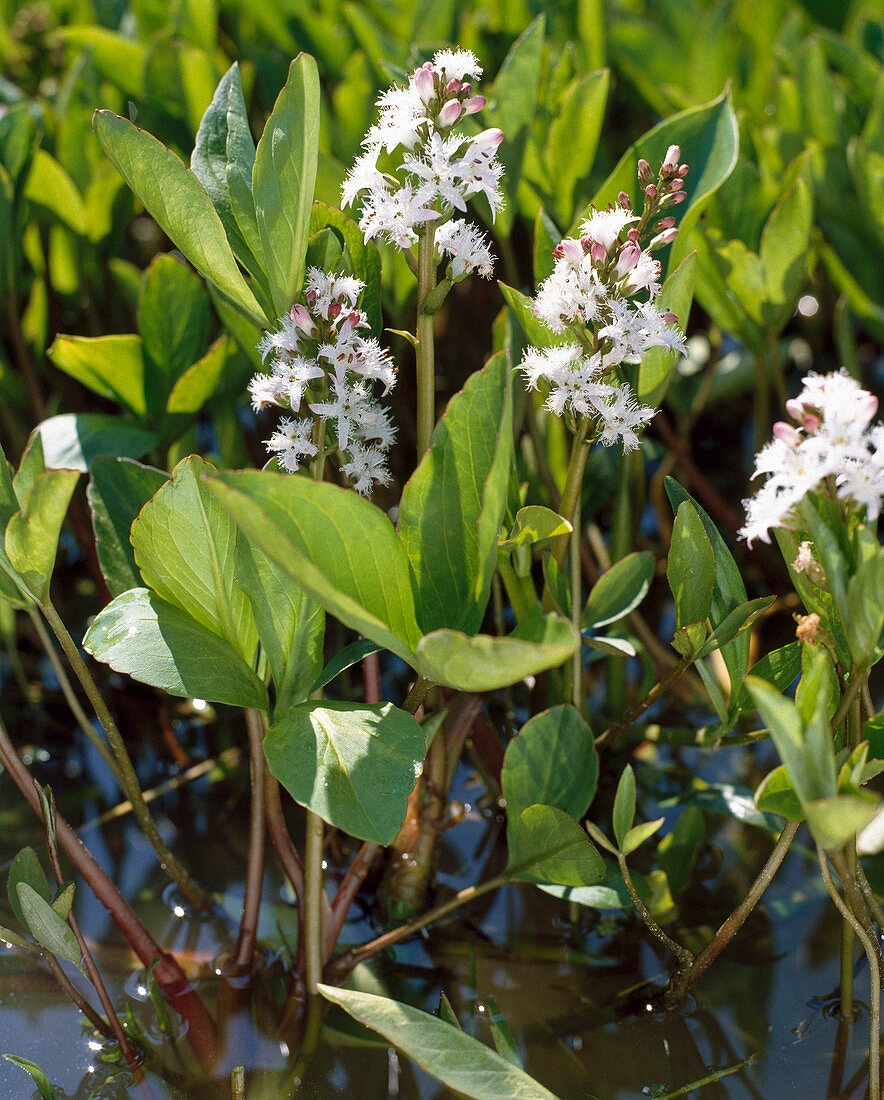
x=319 y=352
x=833 y=440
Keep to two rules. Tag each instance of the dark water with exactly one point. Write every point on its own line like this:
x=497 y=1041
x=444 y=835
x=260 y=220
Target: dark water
x=575 y=987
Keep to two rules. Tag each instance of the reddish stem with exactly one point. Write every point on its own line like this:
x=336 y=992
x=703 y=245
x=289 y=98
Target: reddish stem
x=248 y=928
x=172 y=980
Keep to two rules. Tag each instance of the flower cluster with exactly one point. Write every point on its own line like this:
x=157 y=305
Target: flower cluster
x=832 y=442
x=318 y=352
x=592 y=296
x=416 y=170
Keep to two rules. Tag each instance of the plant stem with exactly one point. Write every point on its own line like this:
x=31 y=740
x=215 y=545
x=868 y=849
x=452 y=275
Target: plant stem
x=88 y=960
x=685 y=958
x=576 y=604
x=285 y=850
x=425 y=354
x=874 y=976
x=248 y=928
x=343 y=964
x=98 y=1022
x=192 y=891
x=346 y=894
x=71 y=698
x=174 y=983
x=417 y=694
x=571 y=491
x=854 y=690
x=735 y=921
x=613 y=732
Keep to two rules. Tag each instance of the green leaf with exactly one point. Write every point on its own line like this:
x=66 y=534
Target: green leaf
x=173 y=319
x=618 y=590
x=51 y=188
x=677 y=851
x=691 y=568
x=728 y=590
x=482 y=663
x=32 y=534
x=284 y=178
x=339 y=548
x=624 y=805
x=64 y=900
x=580 y=110
x=40 y=1078
x=785 y=248
x=116 y=56
x=350 y=655
x=197 y=384
x=118 y=490
x=547 y=845
x=453 y=505
x=708 y=136
x=512 y=104
x=449 y=1054
x=780 y=667
x=111 y=366
x=658 y=364
x=638 y=834
x=740 y=619
x=689 y=641
x=179 y=79
x=184 y=544
x=535 y=331
x=865 y=609
x=291 y=626
x=46 y=926
x=504 y=1041
x=826 y=528
x=159 y=644
x=173 y=196
x=353 y=765
x=534 y=524
x=552 y=761
x=776 y=795
x=26 y=868
x=74 y=440
x=835 y=820
x=611 y=646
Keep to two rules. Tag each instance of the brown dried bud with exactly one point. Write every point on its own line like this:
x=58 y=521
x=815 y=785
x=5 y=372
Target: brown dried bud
x=808 y=629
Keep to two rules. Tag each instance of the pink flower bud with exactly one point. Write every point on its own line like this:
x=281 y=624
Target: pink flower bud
x=598 y=252
x=651 y=192
x=683 y=170
x=676 y=184
x=811 y=423
x=663 y=239
x=334 y=310
x=670 y=318
x=310 y=297
x=674 y=198
x=628 y=258
x=449 y=114
x=870 y=405
x=672 y=155
x=453 y=86
x=786 y=433
x=665 y=223
x=625 y=201
x=633 y=235
x=302 y=318
x=645 y=175
x=424 y=82
x=488 y=139
x=795 y=408
x=474 y=104
x=569 y=249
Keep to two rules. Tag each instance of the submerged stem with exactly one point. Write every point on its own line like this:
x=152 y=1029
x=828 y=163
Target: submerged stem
x=677 y=984
x=192 y=891
x=735 y=921
x=874 y=976
x=251 y=906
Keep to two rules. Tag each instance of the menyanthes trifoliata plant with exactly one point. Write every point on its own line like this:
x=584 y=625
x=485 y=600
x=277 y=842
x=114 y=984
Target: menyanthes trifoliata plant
x=832 y=447
x=321 y=360
x=417 y=170
x=601 y=293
